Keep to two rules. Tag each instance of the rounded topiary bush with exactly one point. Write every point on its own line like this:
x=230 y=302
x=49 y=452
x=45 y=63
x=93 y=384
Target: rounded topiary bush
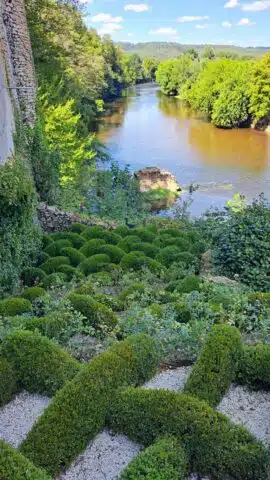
x=94 y=264
x=147 y=248
x=171 y=232
x=115 y=253
x=43 y=257
x=168 y=255
x=54 y=249
x=254 y=367
x=123 y=231
x=154 y=266
x=97 y=232
x=40 y=365
x=10 y=307
x=95 y=313
x=181 y=243
x=92 y=247
x=7 y=382
x=52 y=265
x=76 y=257
x=133 y=261
x=92 y=232
x=71 y=272
x=76 y=239
x=186 y=258
x=189 y=284
x=14 y=466
x=54 y=280
x=144 y=234
x=77 y=227
x=32 y=276
x=127 y=243
x=32 y=293
x=46 y=240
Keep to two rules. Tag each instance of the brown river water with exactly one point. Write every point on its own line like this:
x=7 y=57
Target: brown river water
x=145 y=128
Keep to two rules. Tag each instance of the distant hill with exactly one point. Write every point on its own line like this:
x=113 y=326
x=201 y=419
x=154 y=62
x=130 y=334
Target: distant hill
x=163 y=50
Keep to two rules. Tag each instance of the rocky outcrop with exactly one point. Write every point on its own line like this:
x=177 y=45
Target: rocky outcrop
x=52 y=219
x=152 y=178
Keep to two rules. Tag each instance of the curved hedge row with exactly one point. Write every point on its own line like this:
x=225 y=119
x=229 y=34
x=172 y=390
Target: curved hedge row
x=39 y=365
x=14 y=466
x=77 y=412
x=215 y=447
x=254 y=367
x=164 y=460
x=216 y=367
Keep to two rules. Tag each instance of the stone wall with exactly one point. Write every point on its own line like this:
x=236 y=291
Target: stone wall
x=52 y=219
x=16 y=45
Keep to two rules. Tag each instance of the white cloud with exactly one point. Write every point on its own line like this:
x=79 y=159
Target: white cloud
x=203 y=25
x=226 y=24
x=85 y=2
x=245 y=22
x=136 y=7
x=130 y=34
x=106 y=18
x=258 y=6
x=188 y=18
x=231 y=4
x=109 y=28
x=164 y=31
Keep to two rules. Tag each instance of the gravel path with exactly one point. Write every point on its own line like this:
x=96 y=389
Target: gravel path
x=173 y=380
x=104 y=458
x=18 y=417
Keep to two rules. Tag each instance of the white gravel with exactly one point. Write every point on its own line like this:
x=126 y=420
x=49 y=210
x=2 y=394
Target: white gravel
x=173 y=380
x=104 y=458
x=18 y=417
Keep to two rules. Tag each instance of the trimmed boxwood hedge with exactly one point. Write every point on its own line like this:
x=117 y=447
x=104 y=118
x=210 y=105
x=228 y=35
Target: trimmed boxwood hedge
x=144 y=234
x=13 y=306
x=215 y=447
x=189 y=284
x=254 y=367
x=216 y=367
x=147 y=248
x=14 y=466
x=46 y=240
x=77 y=412
x=54 y=279
x=76 y=257
x=52 y=265
x=94 y=264
x=123 y=231
x=77 y=227
x=76 y=239
x=127 y=243
x=92 y=247
x=115 y=253
x=54 y=249
x=71 y=272
x=169 y=255
x=164 y=460
x=33 y=292
x=40 y=365
x=98 y=232
x=32 y=276
x=95 y=313
x=7 y=381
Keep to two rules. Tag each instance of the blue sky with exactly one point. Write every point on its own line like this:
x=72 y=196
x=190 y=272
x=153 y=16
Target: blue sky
x=237 y=22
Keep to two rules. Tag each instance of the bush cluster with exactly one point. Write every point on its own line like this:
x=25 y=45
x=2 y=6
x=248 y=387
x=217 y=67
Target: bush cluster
x=164 y=460
x=110 y=238
x=94 y=264
x=33 y=293
x=76 y=240
x=254 y=367
x=76 y=257
x=214 y=446
x=54 y=249
x=14 y=466
x=10 y=307
x=149 y=249
x=92 y=247
x=39 y=365
x=7 y=381
x=77 y=412
x=115 y=253
x=216 y=367
x=52 y=265
x=96 y=314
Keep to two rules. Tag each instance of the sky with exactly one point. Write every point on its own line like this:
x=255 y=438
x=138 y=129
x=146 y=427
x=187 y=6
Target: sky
x=227 y=22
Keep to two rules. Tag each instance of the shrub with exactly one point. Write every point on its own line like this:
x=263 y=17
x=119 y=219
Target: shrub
x=163 y=241
x=182 y=243
x=43 y=257
x=11 y=307
x=104 y=279
x=186 y=258
x=87 y=288
x=153 y=265
x=76 y=239
x=147 y=248
x=94 y=264
x=216 y=367
x=77 y=227
x=198 y=248
x=31 y=276
x=7 y=382
x=54 y=280
x=262 y=297
x=214 y=446
x=110 y=301
x=254 y=367
x=40 y=365
x=52 y=265
x=127 y=243
x=164 y=460
x=144 y=234
x=95 y=313
x=134 y=261
x=183 y=314
x=14 y=466
x=189 y=284
x=92 y=247
x=115 y=253
x=54 y=249
x=123 y=231
x=168 y=255
x=74 y=256
x=32 y=293
x=172 y=232
x=77 y=412
x=71 y=272
x=97 y=232
x=46 y=240
x=134 y=292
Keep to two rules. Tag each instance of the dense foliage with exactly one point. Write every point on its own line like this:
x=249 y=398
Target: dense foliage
x=228 y=91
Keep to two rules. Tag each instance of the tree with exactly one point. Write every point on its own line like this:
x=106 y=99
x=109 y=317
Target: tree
x=132 y=69
x=168 y=76
x=149 y=68
x=192 y=52
x=208 y=52
x=259 y=90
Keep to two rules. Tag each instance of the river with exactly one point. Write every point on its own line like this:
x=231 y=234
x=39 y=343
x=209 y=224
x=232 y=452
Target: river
x=146 y=128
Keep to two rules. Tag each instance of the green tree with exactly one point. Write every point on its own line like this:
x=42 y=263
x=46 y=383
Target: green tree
x=208 y=52
x=149 y=68
x=168 y=76
x=259 y=90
